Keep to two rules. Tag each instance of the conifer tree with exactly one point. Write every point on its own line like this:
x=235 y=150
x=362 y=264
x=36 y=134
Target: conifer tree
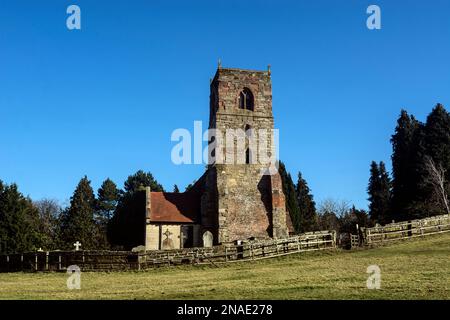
x=379 y=193
x=290 y=197
x=140 y=180
x=307 y=206
x=19 y=221
x=108 y=196
x=125 y=229
x=175 y=189
x=78 y=220
x=437 y=149
x=405 y=163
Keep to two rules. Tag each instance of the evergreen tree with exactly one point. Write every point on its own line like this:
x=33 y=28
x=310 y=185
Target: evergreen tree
x=190 y=186
x=125 y=229
x=290 y=197
x=140 y=180
x=19 y=221
x=78 y=220
x=307 y=206
x=379 y=193
x=437 y=136
x=108 y=196
x=406 y=161
x=175 y=189
x=437 y=149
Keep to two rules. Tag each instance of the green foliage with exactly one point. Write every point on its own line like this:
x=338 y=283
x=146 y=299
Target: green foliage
x=379 y=193
x=405 y=165
x=78 y=220
x=413 y=196
x=307 y=206
x=437 y=146
x=19 y=221
x=108 y=196
x=290 y=197
x=126 y=227
x=437 y=136
x=350 y=220
x=140 y=180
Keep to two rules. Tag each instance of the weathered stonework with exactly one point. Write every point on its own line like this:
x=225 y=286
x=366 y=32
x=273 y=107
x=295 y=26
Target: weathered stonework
x=245 y=202
x=232 y=200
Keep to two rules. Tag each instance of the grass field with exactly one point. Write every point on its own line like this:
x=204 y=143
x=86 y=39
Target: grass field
x=418 y=269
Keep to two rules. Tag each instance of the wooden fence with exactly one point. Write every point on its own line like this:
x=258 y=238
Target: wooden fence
x=354 y=241
x=124 y=260
x=406 y=230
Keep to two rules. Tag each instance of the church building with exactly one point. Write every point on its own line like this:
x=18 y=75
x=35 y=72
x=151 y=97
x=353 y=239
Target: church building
x=230 y=201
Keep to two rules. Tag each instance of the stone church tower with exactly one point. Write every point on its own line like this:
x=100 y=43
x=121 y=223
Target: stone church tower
x=236 y=198
x=239 y=200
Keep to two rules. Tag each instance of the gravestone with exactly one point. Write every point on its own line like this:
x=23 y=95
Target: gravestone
x=207 y=239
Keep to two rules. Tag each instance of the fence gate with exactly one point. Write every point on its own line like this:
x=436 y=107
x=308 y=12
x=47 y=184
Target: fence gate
x=354 y=241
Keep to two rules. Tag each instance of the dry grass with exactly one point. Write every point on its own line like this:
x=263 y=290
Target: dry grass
x=410 y=270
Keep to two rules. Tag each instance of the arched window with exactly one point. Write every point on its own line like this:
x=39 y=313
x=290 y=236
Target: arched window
x=248 y=156
x=246 y=100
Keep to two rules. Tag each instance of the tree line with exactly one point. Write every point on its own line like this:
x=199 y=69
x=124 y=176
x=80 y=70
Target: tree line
x=330 y=214
x=110 y=219
x=420 y=182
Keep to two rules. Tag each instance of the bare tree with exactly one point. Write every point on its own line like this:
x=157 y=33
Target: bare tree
x=337 y=207
x=331 y=212
x=436 y=178
x=49 y=211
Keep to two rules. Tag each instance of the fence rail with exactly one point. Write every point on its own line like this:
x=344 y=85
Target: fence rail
x=124 y=260
x=406 y=230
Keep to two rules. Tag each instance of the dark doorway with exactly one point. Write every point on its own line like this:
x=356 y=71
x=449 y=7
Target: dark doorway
x=188 y=236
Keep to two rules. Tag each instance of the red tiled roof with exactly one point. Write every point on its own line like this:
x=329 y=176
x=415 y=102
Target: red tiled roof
x=174 y=207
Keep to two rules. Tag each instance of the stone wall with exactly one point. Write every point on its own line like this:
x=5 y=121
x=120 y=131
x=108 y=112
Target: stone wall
x=238 y=193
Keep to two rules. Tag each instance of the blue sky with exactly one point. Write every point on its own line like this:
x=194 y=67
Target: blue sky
x=104 y=100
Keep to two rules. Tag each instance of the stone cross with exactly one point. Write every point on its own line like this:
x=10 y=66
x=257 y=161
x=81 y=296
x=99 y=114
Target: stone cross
x=40 y=250
x=77 y=245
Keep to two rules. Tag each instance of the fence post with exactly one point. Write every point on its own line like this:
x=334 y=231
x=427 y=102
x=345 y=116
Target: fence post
x=35 y=262
x=251 y=251
x=334 y=239
x=46 y=261
x=226 y=253
x=139 y=261
x=59 y=262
